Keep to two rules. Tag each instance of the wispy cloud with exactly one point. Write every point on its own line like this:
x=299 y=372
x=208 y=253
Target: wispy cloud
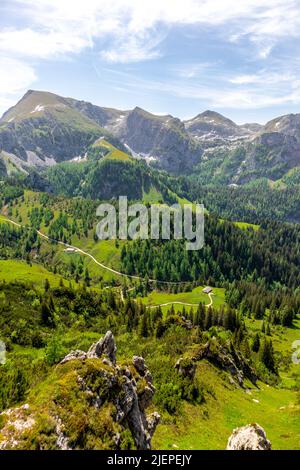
x=68 y=26
x=15 y=76
x=135 y=31
x=215 y=96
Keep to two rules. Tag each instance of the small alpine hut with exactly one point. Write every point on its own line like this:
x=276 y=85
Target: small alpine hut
x=70 y=250
x=207 y=290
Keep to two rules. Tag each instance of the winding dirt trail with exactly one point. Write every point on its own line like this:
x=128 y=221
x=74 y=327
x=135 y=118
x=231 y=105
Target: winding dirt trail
x=114 y=271
x=182 y=303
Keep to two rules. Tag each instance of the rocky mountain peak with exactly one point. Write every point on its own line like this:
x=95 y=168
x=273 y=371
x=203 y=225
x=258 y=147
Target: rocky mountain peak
x=33 y=104
x=43 y=129
x=213 y=116
x=211 y=125
x=288 y=125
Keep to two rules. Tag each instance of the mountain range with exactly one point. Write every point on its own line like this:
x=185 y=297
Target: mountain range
x=44 y=129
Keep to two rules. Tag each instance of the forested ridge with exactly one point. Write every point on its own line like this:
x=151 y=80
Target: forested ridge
x=230 y=253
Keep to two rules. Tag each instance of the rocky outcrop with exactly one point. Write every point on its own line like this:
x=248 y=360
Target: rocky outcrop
x=134 y=403
x=131 y=403
x=250 y=437
x=105 y=390
x=105 y=346
x=15 y=422
x=160 y=139
x=228 y=359
x=186 y=367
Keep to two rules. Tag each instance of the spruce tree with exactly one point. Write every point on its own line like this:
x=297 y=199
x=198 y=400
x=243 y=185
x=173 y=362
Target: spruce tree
x=256 y=343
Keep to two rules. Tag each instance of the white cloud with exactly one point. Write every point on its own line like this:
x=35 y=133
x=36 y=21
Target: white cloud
x=133 y=49
x=15 y=78
x=255 y=95
x=36 y=44
x=264 y=77
x=60 y=26
x=126 y=31
x=192 y=71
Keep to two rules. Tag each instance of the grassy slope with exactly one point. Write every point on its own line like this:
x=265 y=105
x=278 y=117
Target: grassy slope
x=205 y=426
x=104 y=251
x=245 y=225
x=114 y=153
x=13 y=270
x=208 y=426
x=194 y=297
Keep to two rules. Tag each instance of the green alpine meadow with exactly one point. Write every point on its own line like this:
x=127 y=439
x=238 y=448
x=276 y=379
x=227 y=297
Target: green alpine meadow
x=117 y=334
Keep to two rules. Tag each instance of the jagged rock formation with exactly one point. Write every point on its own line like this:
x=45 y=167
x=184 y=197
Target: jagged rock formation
x=209 y=126
x=227 y=359
x=105 y=346
x=114 y=395
x=160 y=139
x=43 y=129
x=186 y=367
x=250 y=437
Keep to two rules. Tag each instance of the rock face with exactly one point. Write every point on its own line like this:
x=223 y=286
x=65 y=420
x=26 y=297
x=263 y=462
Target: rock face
x=250 y=437
x=186 y=367
x=118 y=395
x=211 y=125
x=43 y=129
x=162 y=139
x=227 y=359
x=131 y=407
x=134 y=404
x=18 y=420
x=271 y=154
x=105 y=346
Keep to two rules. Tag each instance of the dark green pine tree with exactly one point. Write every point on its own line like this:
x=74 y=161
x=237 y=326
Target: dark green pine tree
x=267 y=355
x=256 y=343
x=144 y=330
x=46 y=285
x=47 y=314
x=159 y=328
x=208 y=319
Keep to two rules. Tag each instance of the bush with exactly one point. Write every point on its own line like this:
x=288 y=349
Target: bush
x=55 y=351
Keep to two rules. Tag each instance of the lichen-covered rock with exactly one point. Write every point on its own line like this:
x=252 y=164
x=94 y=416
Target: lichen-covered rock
x=228 y=359
x=74 y=355
x=91 y=402
x=186 y=367
x=250 y=437
x=105 y=345
x=15 y=422
x=139 y=364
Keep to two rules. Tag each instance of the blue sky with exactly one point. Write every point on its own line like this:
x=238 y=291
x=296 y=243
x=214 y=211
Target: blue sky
x=181 y=57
